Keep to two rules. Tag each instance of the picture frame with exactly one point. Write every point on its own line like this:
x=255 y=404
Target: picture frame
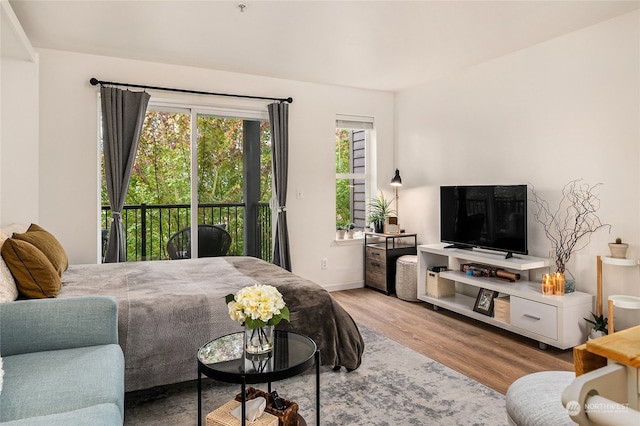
x=484 y=301
x=391 y=225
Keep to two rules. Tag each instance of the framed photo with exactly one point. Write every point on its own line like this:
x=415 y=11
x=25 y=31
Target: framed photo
x=391 y=225
x=484 y=301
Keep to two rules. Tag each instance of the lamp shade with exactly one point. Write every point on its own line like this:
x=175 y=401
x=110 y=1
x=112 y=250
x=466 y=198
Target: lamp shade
x=396 y=180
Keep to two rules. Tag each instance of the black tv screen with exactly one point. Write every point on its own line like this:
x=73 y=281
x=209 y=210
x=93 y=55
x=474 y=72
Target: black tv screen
x=486 y=216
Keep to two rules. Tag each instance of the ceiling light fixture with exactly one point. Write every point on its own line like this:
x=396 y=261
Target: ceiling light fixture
x=242 y=6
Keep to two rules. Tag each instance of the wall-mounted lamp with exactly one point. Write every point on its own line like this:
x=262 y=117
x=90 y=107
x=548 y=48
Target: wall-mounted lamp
x=396 y=181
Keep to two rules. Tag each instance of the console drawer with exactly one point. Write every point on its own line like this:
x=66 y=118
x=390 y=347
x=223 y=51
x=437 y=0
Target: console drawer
x=376 y=268
x=535 y=317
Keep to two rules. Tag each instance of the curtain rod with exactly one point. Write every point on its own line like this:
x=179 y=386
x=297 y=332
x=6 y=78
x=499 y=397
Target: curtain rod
x=95 y=81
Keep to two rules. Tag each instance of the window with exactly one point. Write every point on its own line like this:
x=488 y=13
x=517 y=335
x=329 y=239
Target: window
x=198 y=165
x=354 y=136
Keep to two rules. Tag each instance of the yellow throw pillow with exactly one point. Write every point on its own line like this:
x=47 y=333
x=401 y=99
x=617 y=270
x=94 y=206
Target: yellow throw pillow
x=35 y=276
x=47 y=244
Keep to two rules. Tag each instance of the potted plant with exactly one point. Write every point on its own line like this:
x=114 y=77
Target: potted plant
x=618 y=249
x=600 y=324
x=341 y=229
x=570 y=225
x=350 y=231
x=379 y=209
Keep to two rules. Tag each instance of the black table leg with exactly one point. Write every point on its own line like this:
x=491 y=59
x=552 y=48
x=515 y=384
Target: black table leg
x=318 y=387
x=199 y=396
x=244 y=401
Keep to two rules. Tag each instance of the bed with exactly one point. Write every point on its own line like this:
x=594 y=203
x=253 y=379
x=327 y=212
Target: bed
x=168 y=309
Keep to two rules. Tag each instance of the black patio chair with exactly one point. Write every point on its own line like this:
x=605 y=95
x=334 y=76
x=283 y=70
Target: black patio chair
x=213 y=240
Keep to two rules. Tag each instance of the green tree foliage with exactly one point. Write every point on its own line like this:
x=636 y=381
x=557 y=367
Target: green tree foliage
x=265 y=162
x=162 y=175
x=343 y=186
x=219 y=160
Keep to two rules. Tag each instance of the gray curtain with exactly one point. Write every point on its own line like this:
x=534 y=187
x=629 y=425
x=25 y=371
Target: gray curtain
x=122 y=118
x=279 y=120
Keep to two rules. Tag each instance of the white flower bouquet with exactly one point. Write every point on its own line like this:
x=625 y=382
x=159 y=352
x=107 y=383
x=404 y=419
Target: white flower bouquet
x=257 y=306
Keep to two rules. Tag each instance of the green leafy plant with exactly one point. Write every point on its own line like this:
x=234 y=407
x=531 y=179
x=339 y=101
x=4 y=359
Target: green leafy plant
x=342 y=226
x=599 y=322
x=379 y=209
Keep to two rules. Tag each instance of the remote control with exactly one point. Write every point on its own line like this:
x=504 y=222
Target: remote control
x=278 y=403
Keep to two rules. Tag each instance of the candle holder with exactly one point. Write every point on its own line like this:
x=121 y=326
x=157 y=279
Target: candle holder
x=558 y=279
x=548 y=284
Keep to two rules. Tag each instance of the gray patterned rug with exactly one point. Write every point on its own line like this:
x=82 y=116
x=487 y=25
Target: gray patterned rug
x=394 y=386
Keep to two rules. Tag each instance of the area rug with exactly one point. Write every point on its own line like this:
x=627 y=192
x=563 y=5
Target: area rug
x=394 y=386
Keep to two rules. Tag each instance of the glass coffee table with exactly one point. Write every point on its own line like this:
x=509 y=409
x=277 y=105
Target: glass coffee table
x=224 y=359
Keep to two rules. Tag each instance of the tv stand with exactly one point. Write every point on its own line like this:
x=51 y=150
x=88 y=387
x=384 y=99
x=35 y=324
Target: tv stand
x=551 y=320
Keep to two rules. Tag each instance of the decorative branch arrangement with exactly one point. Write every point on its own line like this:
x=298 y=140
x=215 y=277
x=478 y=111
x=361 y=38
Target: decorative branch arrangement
x=570 y=226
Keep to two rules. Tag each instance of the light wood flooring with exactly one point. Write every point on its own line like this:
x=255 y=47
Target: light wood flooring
x=487 y=354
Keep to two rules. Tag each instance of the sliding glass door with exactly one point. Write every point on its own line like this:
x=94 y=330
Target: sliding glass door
x=195 y=168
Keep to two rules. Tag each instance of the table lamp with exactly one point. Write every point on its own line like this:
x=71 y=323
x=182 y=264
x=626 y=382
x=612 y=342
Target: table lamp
x=396 y=181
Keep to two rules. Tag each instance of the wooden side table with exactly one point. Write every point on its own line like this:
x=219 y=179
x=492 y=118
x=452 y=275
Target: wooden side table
x=622 y=347
x=610 y=394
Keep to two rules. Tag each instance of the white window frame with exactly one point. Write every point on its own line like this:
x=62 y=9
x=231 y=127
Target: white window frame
x=360 y=122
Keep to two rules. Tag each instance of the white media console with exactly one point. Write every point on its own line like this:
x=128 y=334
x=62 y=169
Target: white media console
x=551 y=320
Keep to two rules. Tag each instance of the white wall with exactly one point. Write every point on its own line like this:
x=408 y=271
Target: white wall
x=19 y=166
x=19 y=156
x=69 y=151
x=564 y=109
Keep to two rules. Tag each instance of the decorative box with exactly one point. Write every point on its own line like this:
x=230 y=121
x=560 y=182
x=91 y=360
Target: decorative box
x=286 y=417
x=502 y=309
x=439 y=287
x=223 y=417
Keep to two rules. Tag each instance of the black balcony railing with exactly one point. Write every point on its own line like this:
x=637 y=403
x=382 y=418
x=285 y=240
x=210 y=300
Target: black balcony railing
x=147 y=227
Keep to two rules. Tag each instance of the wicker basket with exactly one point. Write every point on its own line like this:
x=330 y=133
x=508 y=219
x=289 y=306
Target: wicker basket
x=439 y=287
x=286 y=417
x=501 y=309
x=223 y=417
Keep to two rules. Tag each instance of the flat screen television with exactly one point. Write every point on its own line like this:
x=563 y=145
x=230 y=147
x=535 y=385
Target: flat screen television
x=491 y=217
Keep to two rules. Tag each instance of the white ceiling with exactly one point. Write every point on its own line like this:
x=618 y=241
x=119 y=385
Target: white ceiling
x=383 y=45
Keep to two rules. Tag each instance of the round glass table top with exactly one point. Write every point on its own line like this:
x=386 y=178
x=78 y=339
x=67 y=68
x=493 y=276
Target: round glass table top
x=226 y=360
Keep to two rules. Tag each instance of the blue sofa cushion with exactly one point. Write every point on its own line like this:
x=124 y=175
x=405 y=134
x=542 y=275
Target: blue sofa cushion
x=98 y=415
x=54 y=324
x=59 y=381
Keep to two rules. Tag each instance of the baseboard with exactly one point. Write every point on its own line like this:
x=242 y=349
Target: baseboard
x=344 y=286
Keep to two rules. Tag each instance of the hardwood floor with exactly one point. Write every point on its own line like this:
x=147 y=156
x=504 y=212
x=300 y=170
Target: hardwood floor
x=489 y=355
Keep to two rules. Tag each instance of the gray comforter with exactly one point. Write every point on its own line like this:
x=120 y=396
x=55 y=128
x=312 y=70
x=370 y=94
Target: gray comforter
x=168 y=309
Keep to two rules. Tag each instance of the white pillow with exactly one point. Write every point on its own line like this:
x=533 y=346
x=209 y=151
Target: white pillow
x=14 y=227
x=8 y=289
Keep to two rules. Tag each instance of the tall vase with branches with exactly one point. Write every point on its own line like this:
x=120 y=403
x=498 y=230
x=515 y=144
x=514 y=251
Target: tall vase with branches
x=570 y=225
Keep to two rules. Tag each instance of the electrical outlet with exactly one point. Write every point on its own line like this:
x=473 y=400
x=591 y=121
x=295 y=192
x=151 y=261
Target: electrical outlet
x=323 y=263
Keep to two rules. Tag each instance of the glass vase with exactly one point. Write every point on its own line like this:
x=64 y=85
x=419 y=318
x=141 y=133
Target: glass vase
x=258 y=340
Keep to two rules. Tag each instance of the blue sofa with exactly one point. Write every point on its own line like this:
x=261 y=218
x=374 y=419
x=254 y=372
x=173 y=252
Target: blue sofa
x=62 y=362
